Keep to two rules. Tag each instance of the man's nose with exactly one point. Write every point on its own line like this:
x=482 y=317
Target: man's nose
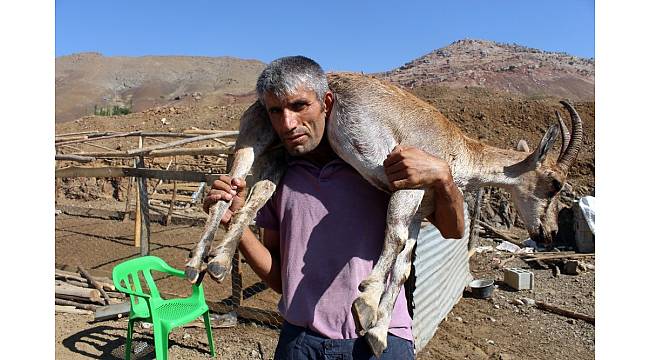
x=289 y=119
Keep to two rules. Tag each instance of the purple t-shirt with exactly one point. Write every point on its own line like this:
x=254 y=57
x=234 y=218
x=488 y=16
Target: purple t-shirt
x=331 y=223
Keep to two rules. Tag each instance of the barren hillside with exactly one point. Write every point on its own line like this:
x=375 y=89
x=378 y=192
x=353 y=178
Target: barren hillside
x=510 y=68
x=86 y=80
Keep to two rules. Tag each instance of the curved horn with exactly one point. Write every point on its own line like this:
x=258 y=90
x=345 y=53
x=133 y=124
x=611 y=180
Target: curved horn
x=568 y=157
x=566 y=136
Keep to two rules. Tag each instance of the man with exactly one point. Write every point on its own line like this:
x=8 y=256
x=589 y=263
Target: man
x=324 y=226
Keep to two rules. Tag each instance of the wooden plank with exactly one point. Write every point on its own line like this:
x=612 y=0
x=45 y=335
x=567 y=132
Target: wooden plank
x=209 y=131
x=123 y=171
x=196 y=151
x=70 y=157
x=532 y=257
x=76 y=133
x=122 y=134
x=71 y=310
x=179 y=187
x=76 y=304
x=180 y=142
x=170 y=197
x=77 y=171
x=70 y=138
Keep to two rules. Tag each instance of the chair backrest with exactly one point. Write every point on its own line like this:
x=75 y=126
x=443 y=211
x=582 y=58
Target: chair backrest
x=126 y=277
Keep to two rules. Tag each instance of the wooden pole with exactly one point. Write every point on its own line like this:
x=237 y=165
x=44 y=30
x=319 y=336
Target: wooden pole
x=71 y=310
x=78 y=158
x=473 y=227
x=128 y=199
x=564 y=312
x=144 y=209
x=192 y=151
x=78 y=292
x=94 y=283
x=168 y=218
x=141 y=151
x=138 y=213
x=79 y=305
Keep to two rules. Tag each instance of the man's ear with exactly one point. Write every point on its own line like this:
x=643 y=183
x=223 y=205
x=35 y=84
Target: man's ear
x=329 y=102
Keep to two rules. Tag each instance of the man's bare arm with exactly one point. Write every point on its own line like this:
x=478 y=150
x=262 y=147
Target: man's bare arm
x=264 y=258
x=411 y=168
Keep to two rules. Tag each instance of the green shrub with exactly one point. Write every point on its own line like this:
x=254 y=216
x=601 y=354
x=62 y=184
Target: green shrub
x=115 y=110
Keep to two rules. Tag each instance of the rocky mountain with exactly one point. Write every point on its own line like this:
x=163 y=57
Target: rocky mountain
x=84 y=81
x=508 y=68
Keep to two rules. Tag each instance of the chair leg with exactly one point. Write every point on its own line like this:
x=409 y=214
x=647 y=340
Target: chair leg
x=129 y=337
x=208 y=329
x=160 y=337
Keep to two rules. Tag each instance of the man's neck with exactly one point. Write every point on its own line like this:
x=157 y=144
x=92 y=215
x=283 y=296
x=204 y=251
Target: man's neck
x=322 y=154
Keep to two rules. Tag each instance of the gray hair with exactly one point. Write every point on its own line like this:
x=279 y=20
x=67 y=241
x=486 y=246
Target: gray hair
x=285 y=75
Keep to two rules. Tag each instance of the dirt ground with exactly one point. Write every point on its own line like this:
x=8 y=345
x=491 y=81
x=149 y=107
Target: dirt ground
x=499 y=328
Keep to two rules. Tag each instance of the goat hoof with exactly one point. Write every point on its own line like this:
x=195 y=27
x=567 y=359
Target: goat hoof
x=217 y=271
x=377 y=340
x=364 y=313
x=192 y=274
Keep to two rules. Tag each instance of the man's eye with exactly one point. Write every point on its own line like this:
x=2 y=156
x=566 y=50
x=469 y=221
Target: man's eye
x=274 y=111
x=299 y=106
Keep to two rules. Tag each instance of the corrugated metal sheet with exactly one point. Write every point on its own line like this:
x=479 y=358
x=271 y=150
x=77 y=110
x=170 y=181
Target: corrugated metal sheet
x=441 y=274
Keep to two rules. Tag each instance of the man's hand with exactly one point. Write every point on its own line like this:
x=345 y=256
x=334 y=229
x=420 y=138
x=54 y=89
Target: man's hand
x=411 y=168
x=226 y=188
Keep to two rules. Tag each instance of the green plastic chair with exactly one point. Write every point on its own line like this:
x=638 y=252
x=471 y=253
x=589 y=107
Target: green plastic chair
x=165 y=315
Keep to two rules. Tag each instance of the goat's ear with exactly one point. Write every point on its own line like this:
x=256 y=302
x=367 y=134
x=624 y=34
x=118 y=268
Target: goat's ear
x=544 y=146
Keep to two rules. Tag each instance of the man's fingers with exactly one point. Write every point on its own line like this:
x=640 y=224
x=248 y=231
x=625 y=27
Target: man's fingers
x=239 y=185
x=395 y=168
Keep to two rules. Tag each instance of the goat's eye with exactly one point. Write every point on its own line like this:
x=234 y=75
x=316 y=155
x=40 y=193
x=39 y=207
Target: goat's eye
x=557 y=185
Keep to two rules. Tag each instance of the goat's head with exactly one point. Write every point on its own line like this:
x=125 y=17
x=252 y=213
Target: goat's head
x=539 y=180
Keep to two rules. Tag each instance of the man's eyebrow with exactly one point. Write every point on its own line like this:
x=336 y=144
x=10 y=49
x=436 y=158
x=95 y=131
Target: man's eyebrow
x=299 y=101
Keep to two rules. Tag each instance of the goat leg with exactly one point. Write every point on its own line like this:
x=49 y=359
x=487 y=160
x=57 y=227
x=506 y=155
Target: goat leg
x=402 y=208
x=241 y=165
x=377 y=336
x=221 y=255
x=269 y=167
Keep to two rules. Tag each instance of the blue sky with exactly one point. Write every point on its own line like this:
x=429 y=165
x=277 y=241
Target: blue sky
x=350 y=35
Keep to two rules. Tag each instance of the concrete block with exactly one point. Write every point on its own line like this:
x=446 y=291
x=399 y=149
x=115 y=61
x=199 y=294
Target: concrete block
x=519 y=279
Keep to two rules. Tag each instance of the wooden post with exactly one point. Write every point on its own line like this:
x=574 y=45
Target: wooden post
x=168 y=218
x=473 y=227
x=128 y=199
x=144 y=211
x=138 y=215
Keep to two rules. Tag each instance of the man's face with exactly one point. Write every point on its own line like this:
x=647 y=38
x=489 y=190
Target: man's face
x=299 y=120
